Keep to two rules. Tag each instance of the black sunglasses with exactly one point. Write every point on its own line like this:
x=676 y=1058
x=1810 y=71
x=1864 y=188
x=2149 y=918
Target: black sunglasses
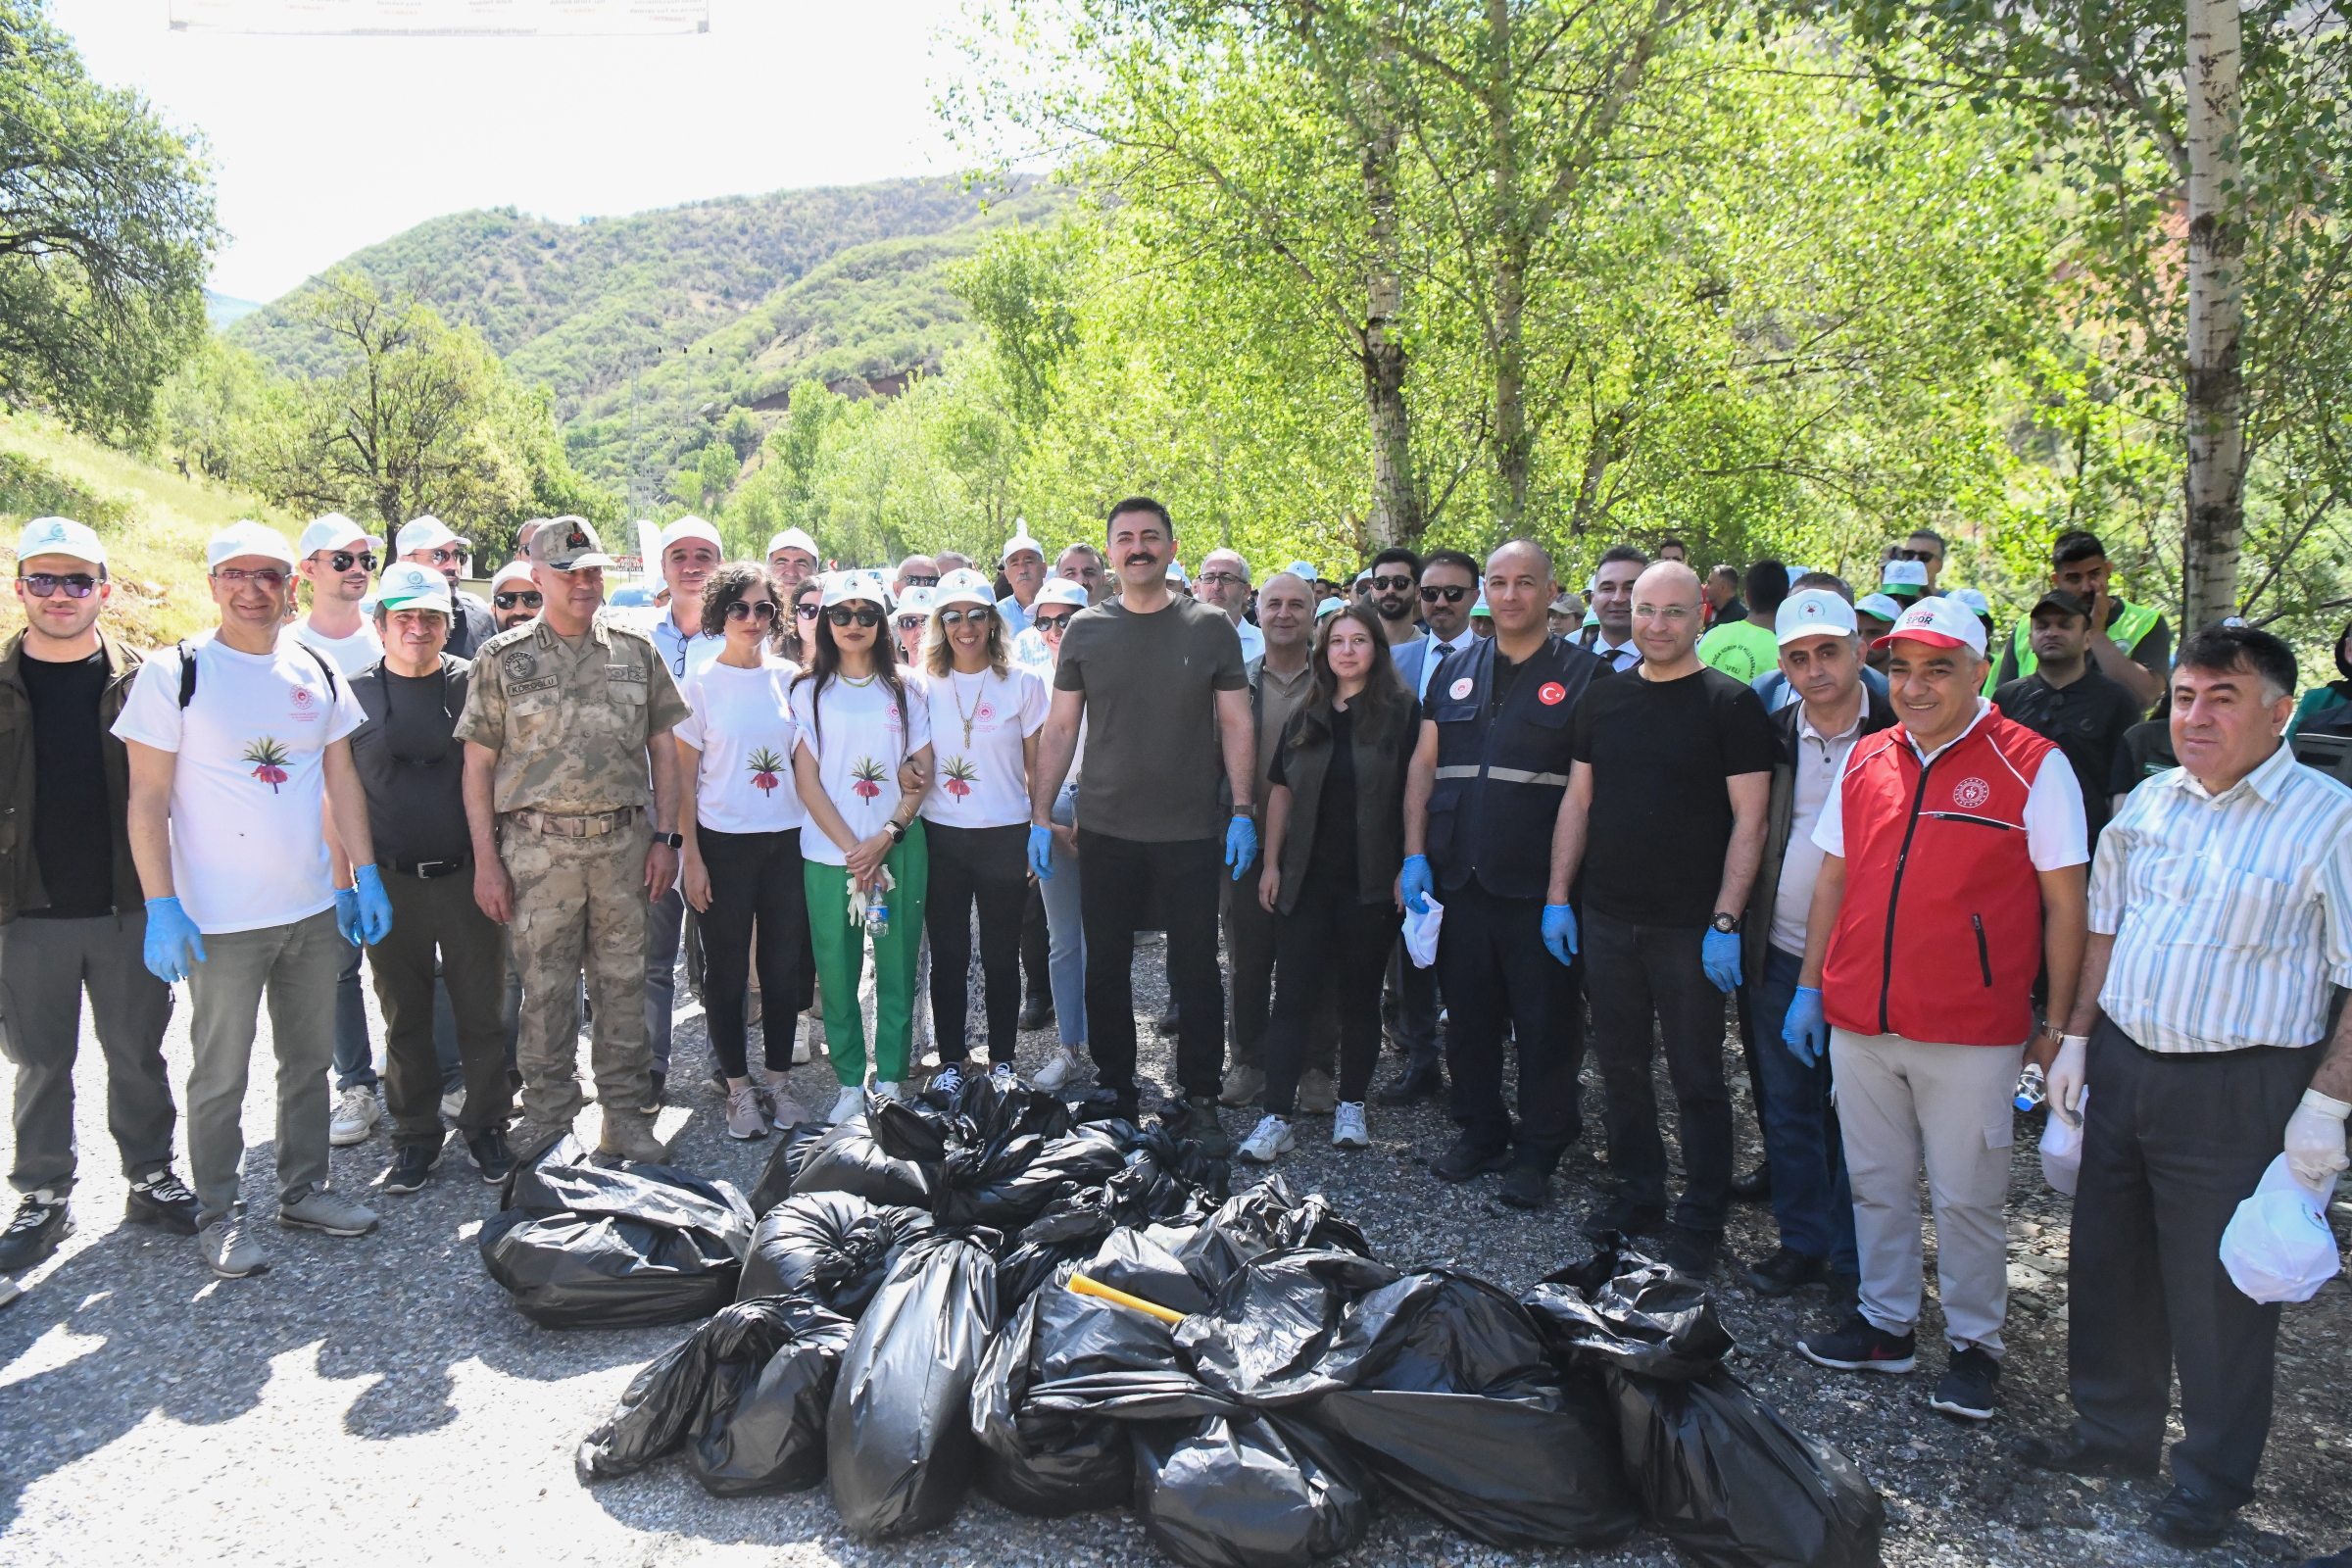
x=920 y=582
x=1452 y=596
x=751 y=609
x=957 y=618
x=1381 y=585
x=345 y=560
x=1915 y=554
x=808 y=612
x=528 y=600
x=842 y=614
x=77 y=584
x=1052 y=626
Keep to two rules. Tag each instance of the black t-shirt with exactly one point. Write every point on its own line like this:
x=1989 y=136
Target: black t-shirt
x=2086 y=718
x=2146 y=751
x=1333 y=851
x=72 y=839
x=410 y=764
x=1662 y=819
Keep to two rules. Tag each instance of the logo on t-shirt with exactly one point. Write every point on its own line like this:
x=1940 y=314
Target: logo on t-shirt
x=766 y=765
x=1459 y=689
x=1552 y=694
x=302 y=697
x=1971 y=793
x=269 y=758
x=959 y=777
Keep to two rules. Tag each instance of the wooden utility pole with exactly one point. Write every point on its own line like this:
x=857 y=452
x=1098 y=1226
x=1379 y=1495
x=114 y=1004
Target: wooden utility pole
x=2215 y=401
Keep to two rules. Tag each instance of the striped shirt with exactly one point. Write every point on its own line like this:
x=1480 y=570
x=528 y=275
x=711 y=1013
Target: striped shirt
x=2232 y=913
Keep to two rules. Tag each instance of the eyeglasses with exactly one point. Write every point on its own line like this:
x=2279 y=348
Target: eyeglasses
x=1915 y=554
x=528 y=600
x=1220 y=576
x=345 y=560
x=957 y=618
x=910 y=624
x=808 y=612
x=443 y=557
x=760 y=610
x=842 y=614
x=1052 y=626
x=920 y=582
x=77 y=584
x=259 y=577
x=1402 y=585
x=1452 y=596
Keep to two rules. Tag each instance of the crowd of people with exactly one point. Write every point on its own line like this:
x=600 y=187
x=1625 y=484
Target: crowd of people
x=1931 y=872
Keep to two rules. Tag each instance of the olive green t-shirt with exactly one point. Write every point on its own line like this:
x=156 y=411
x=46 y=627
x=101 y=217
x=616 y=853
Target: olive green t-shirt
x=1152 y=756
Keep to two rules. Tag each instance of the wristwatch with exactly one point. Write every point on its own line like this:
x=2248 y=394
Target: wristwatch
x=1725 y=923
x=896 y=829
x=677 y=841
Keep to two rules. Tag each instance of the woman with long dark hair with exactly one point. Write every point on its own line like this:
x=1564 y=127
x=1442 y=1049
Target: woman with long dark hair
x=1334 y=843
x=857 y=722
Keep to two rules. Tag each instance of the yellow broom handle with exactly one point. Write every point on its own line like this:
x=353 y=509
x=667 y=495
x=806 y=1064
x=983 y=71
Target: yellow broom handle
x=1086 y=1286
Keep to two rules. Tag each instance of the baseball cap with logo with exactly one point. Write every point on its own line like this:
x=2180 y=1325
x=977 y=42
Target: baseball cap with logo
x=517 y=573
x=60 y=536
x=1061 y=591
x=412 y=585
x=1877 y=607
x=428 y=533
x=1812 y=613
x=1303 y=570
x=1973 y=598
x=245 y=537
x=689 y=528
x=1938 y=622
x=915 y=601
x=843 y=586
x=792 y=539
x=1904 y=580
x=563 y=543
x=963 y=586
x=335 y=532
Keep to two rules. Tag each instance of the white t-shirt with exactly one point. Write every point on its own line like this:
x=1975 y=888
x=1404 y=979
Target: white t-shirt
x=983 y=782
x=2056 y=832
x=742 y=724
x=856 y=736
x=351 y=653
x=248 y=792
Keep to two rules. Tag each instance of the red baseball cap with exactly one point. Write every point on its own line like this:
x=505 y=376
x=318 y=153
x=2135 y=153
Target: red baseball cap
x=1938 y=622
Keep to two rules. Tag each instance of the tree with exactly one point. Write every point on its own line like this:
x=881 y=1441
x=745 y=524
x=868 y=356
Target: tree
x=106 y=220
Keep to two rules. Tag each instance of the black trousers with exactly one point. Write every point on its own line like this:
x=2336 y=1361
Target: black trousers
x=1036 y=983
x=1409 y=1007
x=1494 y=967
x=987 y=867
x=2170 y=1146
x=757 y=893
x=1331 y=943
x=439 y=917
x=1638 y=971
x=1124 y=878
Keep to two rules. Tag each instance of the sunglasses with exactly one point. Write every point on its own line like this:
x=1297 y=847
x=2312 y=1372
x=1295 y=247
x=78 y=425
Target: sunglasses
x=1915 y=554
x=440 y=558
x=528 y=600
x=77 y=584
x=920 y=582
x=843 y=615
x=1381 y=585
x=957 y=618
x=1052 y=626
x=345 y=560
x=808 y=612
x=910 y=624
x=760 y=610
x=1452 y=596
x=263 y=576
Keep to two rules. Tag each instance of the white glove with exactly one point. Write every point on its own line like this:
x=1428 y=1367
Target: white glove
x=2067 y=1077
x=2314 y=1138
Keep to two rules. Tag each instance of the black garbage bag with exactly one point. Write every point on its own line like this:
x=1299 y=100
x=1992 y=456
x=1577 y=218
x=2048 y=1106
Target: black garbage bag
x=1256 y=1222
x=834 y=1247
x=1071 y=1228
x=1265 y=1341
x=848 y=1159
x=1620 y=1310
x=665 y=1400
x=1078 y=1161
x=1253 y=1491
x=1448 y=1399
x=1733 y=1485
x=1174 y=1166
x=899 y=1436
x=578 y=1271
x=762 y=1427
x=566 y=1181
x=792 y=1150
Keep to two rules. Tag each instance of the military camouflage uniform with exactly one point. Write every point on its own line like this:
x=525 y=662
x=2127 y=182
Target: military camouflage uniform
x=571 y=790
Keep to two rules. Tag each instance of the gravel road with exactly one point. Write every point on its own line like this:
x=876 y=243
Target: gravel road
x=379 y=1399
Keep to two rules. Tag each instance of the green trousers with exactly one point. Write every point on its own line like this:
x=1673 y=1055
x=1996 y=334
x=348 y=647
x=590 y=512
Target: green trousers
x=841 y=961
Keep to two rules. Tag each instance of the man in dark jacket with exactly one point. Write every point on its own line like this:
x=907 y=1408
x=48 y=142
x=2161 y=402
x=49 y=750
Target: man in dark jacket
x=2070 y=702
x=1820 y=656
x=72 y=913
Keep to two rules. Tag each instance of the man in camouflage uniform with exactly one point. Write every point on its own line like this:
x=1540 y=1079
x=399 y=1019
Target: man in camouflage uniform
x=566 y=716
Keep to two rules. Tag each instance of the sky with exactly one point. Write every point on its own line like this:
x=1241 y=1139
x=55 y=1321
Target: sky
x=322 y=145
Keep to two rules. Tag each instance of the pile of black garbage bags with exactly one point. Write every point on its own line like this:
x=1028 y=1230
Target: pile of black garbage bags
x=980 y=1292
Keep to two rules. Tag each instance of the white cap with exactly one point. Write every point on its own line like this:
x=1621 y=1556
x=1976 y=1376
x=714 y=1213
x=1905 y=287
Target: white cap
x=1938 y=622
x=1364 y=576
x=1019 y=541
x=334 y=531
x=1880 y=606
x=1480 y=609
x=1303 y=570
x=1060 y=591
x=60 y=536
x=963 y=586
x=1330 y=607
x=915 y=601
x=412 y=585
x=426 y=533
x=1973 y=598
x=513 y=571
x=1812 y=613
x=844 y=586
x=1176 y=573
x=1904 y=574
x=245 y=537
x=690 y=529
x=792 y=539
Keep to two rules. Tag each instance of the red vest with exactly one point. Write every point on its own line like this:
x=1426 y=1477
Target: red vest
x=1939 y=935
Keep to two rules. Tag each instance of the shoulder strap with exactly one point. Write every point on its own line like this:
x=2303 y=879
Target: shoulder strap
x=187 y=675
x=324 y=669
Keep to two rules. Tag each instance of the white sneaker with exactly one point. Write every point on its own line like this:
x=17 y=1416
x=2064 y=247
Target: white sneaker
x=1004 y=1077
x=1064 y=1069
x=1269 y=1143
x=1348 y=1130
x=801 y=1033
x=888 y=1089
x=357 y=1111
x=850 y=1104
x=453 y=1103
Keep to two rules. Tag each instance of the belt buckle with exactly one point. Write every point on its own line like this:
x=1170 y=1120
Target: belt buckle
x=428 y=869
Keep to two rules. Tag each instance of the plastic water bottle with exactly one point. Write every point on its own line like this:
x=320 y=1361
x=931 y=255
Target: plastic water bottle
x=878 y=915
x=2033 y=1088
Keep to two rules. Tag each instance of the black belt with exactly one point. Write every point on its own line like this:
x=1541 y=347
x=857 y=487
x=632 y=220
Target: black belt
x=425 y=871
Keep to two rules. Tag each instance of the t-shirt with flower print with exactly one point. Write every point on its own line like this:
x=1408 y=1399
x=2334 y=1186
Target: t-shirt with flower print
x=859 y=737
x=982 y=781
x=742 y=726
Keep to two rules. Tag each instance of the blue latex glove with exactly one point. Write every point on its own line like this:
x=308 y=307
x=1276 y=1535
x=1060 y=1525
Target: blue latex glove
x=1041 y=852
x=347 y=913
x=1416 y=883
x=1560 y=931
x=173 y=944
x=375 y=905
x=1806 y=1032
x=1719 y=956
x=1241 y=844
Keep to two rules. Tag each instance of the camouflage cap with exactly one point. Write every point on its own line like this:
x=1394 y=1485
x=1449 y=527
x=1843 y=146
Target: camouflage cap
x=569 y=544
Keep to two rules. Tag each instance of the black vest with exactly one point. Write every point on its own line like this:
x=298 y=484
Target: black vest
x=1500 y=774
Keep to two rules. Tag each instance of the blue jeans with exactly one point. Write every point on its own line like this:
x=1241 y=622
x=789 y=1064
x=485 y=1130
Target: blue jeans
x=355 y=1054
x=1065 y=950
x=1810 y=1196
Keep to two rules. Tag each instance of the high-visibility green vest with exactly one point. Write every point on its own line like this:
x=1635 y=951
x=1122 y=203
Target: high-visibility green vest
x=2135 y=622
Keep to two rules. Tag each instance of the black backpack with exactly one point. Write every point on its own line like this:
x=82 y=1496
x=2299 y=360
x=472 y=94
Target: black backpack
x=187 y=673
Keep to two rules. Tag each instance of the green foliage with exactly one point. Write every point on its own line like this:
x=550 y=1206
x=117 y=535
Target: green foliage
x=105 y=219
x=31 y=488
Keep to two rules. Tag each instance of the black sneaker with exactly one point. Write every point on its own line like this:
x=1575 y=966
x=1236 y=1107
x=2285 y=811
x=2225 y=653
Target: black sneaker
x=1415 y=1082
x=41 y=1223
x=1036 y=1013
x=1692 y=1252
x=1627 y=1215
x=1966 y=1388
x=1753 y=1188
x=1784 y=1272
x=1526 y=1187
x=410 y=1166
x=1861 y=1346
x=1470 y=1159
x=490 y=1156
x=162 y=1199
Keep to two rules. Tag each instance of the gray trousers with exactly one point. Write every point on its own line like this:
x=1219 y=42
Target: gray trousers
x=294 y=968
x=665 y=920
x=45 y=965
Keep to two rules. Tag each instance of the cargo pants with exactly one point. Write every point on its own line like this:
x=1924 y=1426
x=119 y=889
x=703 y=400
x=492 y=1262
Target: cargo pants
x=579 y=907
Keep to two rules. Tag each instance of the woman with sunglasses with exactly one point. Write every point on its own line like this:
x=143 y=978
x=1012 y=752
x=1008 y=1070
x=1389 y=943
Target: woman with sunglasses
x=909 y=622
x=742 y=817
x=856 y=722
x=1065 y=938
x=985 y=715
x=1334 y=844
x=795 y=635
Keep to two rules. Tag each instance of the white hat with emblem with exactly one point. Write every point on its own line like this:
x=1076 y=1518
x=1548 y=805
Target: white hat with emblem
x=60 y=536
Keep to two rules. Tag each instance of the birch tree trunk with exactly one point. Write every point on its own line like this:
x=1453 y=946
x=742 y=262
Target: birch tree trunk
x=1395 y=499
x=2214 y=406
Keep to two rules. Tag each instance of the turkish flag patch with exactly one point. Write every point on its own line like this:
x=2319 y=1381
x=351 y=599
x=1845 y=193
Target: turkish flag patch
x=1552 y=694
